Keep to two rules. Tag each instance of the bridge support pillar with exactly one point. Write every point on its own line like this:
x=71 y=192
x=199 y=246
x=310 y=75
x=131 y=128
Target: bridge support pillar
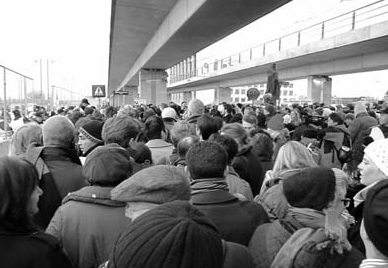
x=153 y=85
x=319 y=89
x=132 y=94
x=223 y=94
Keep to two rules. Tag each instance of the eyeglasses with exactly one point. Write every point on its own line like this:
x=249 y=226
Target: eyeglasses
x=346 y=202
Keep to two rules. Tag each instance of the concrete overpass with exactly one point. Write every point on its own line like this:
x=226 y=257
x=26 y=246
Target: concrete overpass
x=357 y=46
x=154 y=35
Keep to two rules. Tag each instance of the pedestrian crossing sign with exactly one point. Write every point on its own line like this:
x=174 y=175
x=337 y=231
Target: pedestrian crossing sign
x=98 y=91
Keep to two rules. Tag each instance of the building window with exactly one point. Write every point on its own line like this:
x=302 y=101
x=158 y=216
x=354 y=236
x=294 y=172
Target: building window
x=284 y=92
x=290 y=93
x=261 y=92
x=243 y=91
x=242 y=99
x=285 y=99
x=236 y=99
x=236 y=91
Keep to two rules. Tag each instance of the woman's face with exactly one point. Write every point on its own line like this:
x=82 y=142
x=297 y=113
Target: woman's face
x=32 y=207
x=369 y=172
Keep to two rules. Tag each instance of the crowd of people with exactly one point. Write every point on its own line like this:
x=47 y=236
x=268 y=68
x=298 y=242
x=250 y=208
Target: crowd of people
x=190 y=185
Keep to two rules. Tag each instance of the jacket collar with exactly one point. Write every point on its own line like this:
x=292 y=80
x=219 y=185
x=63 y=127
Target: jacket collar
x=213 y=197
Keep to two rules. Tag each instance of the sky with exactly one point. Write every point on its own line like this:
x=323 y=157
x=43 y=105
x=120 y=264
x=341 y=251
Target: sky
x=73 y=36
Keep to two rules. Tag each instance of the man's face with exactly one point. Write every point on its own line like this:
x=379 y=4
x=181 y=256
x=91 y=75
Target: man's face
x=84 y=143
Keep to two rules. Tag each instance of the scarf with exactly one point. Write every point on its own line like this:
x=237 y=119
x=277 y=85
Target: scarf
x=208 y=185
x=317 y=227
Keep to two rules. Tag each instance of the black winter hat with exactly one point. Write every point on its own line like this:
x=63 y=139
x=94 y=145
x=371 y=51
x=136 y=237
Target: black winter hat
x=92 y=130
x=375 y=215
x=173 y=235
x=107 y=165
x=310 y=188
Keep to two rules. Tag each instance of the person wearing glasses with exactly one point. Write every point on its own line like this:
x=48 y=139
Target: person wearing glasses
x=313 y=233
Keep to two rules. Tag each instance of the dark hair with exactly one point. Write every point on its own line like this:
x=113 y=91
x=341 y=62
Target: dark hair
x=153 y=127
x=229 y=144
x=120 y=129
x=18 y=180
x=75 y=116
x=337 y=118
x=185 y=144
x=206 y=126
x=206 y=160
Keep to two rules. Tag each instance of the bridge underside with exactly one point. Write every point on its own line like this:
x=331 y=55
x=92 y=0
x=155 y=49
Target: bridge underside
x=157 y=34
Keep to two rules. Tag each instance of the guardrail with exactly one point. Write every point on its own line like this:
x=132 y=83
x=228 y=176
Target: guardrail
x=361 y=17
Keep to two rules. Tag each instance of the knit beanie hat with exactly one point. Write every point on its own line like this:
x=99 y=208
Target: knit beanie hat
x=107 y=165
x=92 y=130
x=359 y=108
x=157 y=184
x=310 y=188
x=173 y=235
x=58 y=131
x=375 y=216
x=378 y=153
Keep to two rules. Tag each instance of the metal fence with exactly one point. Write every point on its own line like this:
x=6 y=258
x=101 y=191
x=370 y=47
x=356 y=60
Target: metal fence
x=359 y=18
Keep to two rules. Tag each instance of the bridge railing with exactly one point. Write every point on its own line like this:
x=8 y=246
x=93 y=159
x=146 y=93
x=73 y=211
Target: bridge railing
x=356 y=19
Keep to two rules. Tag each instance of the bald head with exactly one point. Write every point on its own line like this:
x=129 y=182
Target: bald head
x=195 y=107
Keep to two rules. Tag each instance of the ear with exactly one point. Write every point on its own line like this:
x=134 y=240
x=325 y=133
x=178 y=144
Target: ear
x=226 y=171
x=187 y=172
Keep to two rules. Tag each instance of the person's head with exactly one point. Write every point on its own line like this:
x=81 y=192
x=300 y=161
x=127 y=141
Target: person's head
x=359 y=108
x=262 y=145
x=316 y=188
x=23 y=137
x=120 y=130
x=229 y=144
x=17 y=114
x=173 y=235
x=90 y=135
x=19 y=193
x=383 y=120
x=349 y=117
x=269 y=110
x=237 y=132
x=373 y=229
x=206 y=126
x=374 y=165
x=249 y=122
x=169 y=114
x=195 y=107
x=154 y=128
x=206 y=160
x=151 y=187
x=84 y=103
x=335 y=119
x=293 y=155
x=180 y=130
x=107 y=166
x=58 y=131
x=185 y=144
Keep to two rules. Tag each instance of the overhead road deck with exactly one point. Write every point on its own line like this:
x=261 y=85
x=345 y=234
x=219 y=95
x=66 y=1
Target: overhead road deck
x=157 y=34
